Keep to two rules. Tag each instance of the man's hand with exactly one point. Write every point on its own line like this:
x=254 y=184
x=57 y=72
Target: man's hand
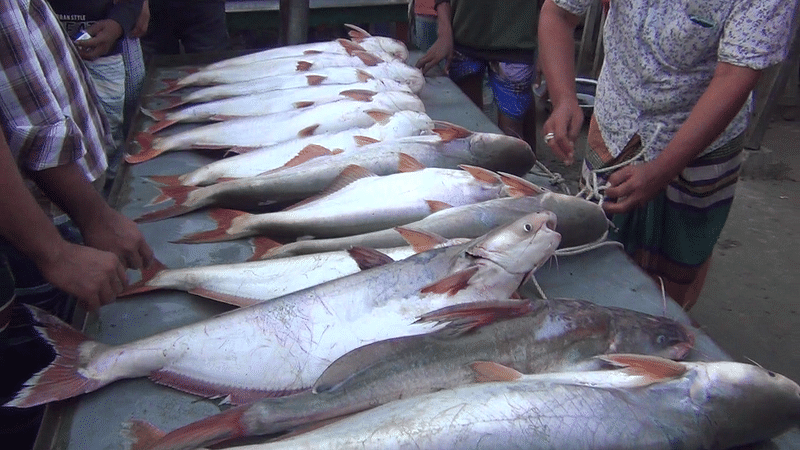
x=112 y=232
x=142 y=22
x=634 y=185
x=104 y=35
x=565 y=123
x=441 y=49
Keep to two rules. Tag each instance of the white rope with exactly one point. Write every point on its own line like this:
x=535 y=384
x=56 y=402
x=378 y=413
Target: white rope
x=556 y=179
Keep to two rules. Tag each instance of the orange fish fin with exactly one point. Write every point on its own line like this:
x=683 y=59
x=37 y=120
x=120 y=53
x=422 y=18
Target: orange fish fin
x=420 y=240
x=312 y=52
x=177 y=193
x=367 y=58
x=357 y=33
x=315 y=80
x=232 y=395
x=381 y=117
x=348 y=175
x=148 y=274
x=171 y=86
x=205 y=432
x=408 y=163
x=350 y=47
x=167 y=180
x=436 y=205
x=142 y=434
x=224 y=219
x=451 y=284
x=363 y=75
x=652 y=368
x=465 y=317
x=487 y=371
x=262 y=247
x=234 y=300
x=308 y=152
x=147 y=152
x=301 y=105
x=307 y=131
x=169 y=102
x=520 y=187
x=448 y=131
x=303 y=66
x=361 y=95
x=481 y=174
x=364 y=140
x=367 y=258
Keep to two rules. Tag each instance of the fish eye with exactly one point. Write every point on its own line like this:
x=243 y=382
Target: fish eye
x=527 y=227
x=771 y=373
x=661 y=339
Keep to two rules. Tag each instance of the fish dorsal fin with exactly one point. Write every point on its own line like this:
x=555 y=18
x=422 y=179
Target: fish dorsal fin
x=420 y=240
x=308 y=131
x=364 y=140
x=381 y=117
x=408 y=163
x=357 y=34
x=487 y=371
x=451 y=284
x=520 y=187
x=436 y=205
x=368 y=58
x=315 y=80
x=363 y=75
x=308 y=152
x=350 y=46
x=361 y=95
x=481 y=174
x=303 y=66
x=360 y=359
x=465 y=317
x=303 y=104
x=347 y=176
x=652 y=368
x=312 y=52
x=448 y=131
x=367 y=258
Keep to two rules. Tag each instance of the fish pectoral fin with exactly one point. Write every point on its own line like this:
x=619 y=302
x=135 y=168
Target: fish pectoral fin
x=361 y=95
x=420 y=240
x=142 y=434
x=652 y=368
x=315 y=80
x=363 y=75
x=357 y=33
x=520 y=187
x=380 y=116
x=364 y=140
x=436 y=205
x=448 y=131
x=350 y=47
x=308 y=152
x=451 y=284
x=488 y=371
x=408 y=163
x=367 y=58
x=481 y=174
x=464 y=317
x=367 y=258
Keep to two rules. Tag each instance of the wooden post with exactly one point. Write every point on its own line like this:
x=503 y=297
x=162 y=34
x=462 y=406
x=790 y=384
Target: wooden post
x=294 y=21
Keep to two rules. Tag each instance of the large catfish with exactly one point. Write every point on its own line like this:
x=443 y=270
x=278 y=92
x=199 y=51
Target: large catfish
x=531 y=336
x=359 y=201
x=303 y=178
x=235 y=353
x=257 y=161
x=268 y=129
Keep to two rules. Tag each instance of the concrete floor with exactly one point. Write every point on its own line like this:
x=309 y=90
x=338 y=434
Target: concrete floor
x=750 y=304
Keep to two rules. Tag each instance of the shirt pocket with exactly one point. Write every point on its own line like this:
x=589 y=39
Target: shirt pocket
x=682 y=39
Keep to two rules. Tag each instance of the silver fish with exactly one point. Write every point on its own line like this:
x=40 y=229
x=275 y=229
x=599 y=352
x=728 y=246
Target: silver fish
x=303 y=331
x=304 y=177
x=260 y=104
x=260 y=160
x=579 y=222
x=268 y=129
x=359 y=201
x=654 y=404
x=529 y=336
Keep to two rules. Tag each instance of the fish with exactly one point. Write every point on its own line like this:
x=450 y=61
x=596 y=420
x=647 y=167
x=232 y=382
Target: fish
x=229 y=354
x=270 y=102
x=649 y=403
x=271 y=68
x=389 y=71
x=358 y=201
x=305 y=176
x=248 y=283
x=260 y=160
x=267 y=129
x=580 y=222
x=529 y=336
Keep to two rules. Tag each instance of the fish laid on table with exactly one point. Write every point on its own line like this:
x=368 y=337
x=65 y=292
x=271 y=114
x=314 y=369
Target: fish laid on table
x=392 y=70
x=580 y=221
x=236 y=353
x=248 y=283
x=650 y=404
x=358 y=201
x=531 y=336
x=270 y=102
x=300 y=179
x=269 y=129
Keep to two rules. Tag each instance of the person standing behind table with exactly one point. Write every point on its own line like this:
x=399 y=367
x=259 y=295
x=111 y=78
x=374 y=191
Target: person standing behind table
x=499 y=36
x=422 y=16
x=676 y=78
x=53 y=136
x=108 y=24
x=196 y=25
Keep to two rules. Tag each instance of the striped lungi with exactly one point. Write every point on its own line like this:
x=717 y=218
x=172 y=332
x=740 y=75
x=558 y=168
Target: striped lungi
x=675 y=232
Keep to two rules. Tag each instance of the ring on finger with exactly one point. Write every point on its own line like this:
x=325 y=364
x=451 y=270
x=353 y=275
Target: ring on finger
x=549 y=137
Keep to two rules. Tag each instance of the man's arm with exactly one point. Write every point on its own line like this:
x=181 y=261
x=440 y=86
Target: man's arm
x=443 y=47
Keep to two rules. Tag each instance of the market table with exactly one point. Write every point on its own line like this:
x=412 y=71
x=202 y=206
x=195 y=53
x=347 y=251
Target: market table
x=97 y=420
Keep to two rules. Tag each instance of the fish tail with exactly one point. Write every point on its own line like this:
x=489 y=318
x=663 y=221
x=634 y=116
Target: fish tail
x=148 y=274
x=161 y=121
x=172 y=86
x=177 y=193
x=167 y=180
x=224 y=219
x=201 y=434
x=143 y=435
x=147 y=152
x=61 y=379
x=263 y=247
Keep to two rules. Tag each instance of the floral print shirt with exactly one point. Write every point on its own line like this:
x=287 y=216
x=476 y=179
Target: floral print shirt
x=661 y=55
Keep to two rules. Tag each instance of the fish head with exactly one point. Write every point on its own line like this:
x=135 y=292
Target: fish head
x=398 y=101
x=519 y=247
x=746 y=402
x=393 y=47
x=402 y=124
x=637 y=332
x=580 y=221
x=502 y=153
x=404 y=73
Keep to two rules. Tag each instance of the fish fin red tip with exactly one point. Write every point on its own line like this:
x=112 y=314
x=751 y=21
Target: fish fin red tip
x=59 y=380
x=241 y=302
x=177 y=193
x=488 y=371
x=468 y=316
x=367 y=258
x=653 y=368
x=205 y=432
x=148 y=274
x=224 y=218
x=233 y=395
x=167 y=180
x=520 y=187
x=147 y=152
x=436 y=205
x=408 y=163
x=263 y=247
x=420 y=240
x=481 y=174
x=142 y=434
x=452 y=284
